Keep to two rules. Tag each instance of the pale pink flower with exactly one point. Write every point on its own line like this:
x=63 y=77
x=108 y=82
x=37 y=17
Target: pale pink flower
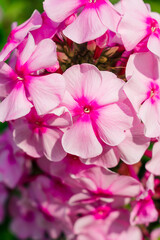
x=153 y=165
x=130 y=150
x=18 y=34
x=143 y=90
x=138 y=19
x=41 y=135
x=95 y=18
x=24 y=87
x=98 y=111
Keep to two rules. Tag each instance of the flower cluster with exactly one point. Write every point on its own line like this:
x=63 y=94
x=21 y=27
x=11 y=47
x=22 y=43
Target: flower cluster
x=80 y=90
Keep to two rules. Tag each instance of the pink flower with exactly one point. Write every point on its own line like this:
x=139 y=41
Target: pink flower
x=98 y=112
x=130 y=150
x=104 y=185
x=114 y=226
x=11 y=161
x=3 y=198
x=63 y=169
x=41 y=135
x=144 y=210
x=155 y=234
x=50 y=197
x=138 y=18
x=153 y=165
x=143 y=90
x=27 y=221
x=18 y=34
x=24 y=87
x=95 y=18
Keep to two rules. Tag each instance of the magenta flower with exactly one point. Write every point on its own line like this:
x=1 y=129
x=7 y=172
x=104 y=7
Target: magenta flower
x=18 y=34
x=98 y=112
x=93 y=21
x=144 y=211
x=138 y=18
x=24 y=87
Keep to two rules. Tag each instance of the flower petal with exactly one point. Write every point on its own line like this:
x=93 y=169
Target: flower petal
x=46 y=91
x=149 y=115
x=19 y=33
x=86 y=27
x=112 y=122
x=154 y=44
x=26 y=139
x=58 y=11
x=83 y=80
x=7 y=77
x=52 y=146
x=108 y=15
x=43 y=56
x=133 y=20
x=15 y=105
x=80 y=139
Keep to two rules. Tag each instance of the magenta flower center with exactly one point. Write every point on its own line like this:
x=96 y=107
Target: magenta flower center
x=92 y=1
x=102 y=212
x=20 y=78
x=154 y=92
x=153 y=25
x=87 y=109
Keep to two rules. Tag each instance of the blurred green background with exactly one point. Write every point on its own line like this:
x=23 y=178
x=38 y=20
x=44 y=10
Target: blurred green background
x=20 y=11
